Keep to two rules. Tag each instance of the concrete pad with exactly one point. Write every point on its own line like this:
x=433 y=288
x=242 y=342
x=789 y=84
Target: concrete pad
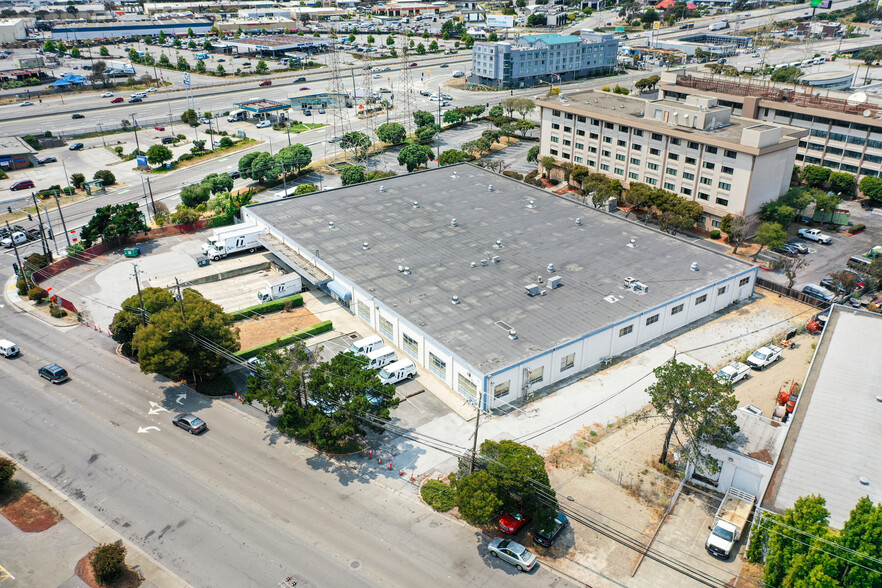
x=42 y=559
x=236 y=293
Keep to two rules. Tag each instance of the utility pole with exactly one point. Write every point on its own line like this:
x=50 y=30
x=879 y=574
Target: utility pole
x=135 y=128
x=475 y=441
x=150 y=190
x=46 y=251
x=51 y=231
x=180 y=298
x=21 y=268
x=143 y=312
x=63 y=226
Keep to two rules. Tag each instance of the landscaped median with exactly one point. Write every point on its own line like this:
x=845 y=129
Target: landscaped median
x=317 y=329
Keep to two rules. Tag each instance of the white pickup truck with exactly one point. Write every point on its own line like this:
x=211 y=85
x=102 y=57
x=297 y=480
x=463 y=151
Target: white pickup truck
x=734 y=372
x=815 y=235
x=729 y=522
x=764 y=356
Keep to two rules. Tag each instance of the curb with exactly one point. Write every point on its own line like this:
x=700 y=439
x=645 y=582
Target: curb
x=150 y=569
x=12 y=298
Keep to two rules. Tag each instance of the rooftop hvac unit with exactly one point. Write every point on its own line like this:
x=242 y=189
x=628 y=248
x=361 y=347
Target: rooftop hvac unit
x=640 y=288
x=532 y=289
x=629 y=280
x=554 y=282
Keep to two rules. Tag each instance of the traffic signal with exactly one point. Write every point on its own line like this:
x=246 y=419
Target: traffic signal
x=15 y=267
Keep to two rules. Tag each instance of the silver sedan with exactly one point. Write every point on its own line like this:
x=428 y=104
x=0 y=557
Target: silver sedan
x=514 y=553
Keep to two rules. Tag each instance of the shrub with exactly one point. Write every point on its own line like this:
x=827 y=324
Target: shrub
x=715 y=234
x=69 y=190
x=22 y=287
x=37 y=260
x=108 y=562
x=856 y=229
x=605 y=89
x=181 y=136
x=37 y=294
x=513 y=174
x=7 y=470
x=3 y=175
x=57 y=312
x=316 y=329
x=106 y=175
x=438 y=495
x=225 y=143
x=185 y=157
x=271 y=306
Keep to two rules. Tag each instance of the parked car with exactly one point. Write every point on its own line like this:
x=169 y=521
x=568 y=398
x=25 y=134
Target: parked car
x=264 y=124
x=511 y=523
x=425 y=93
x=46 y=160
x=221 y=60
x=246 y=64
x=512 y=552
x=152 y=90
x=190 y=422
x=117 y=100
x=76 y=147
x=33 y=234
x=54 y=373
x=412 y=65
x=235 y=174
x=107 y=94
x=446 y=96
x=159 y=128
x=786 y=249
x=334 y=139
x=815 y=235
x=800 y=248
x=16 y=238
x=545 y=537
x=204 y=121
x=169 y=140
x=444 y=64
x=22 y=185
x=77 y=115
x=834 y=286
x=266 y=83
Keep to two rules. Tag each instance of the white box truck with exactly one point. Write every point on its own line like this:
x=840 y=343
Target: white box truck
x=233 y=239
x=397 y=371
x=718 y=26
x=280 y=287
x=729 y=522
x=237 y=115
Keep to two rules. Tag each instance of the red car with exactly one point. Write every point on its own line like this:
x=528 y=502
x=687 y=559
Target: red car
x=159 y=128
x=511 y=523
x=304 y=88
x=266 y=83
x=413 y=65
x=22 y=185
x=116 y=101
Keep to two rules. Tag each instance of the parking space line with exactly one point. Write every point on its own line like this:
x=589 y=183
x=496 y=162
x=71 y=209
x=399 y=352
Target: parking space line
x=5 y=575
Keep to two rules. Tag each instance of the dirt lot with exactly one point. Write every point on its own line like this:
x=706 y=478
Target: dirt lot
x=26 y=511
x=263 y=329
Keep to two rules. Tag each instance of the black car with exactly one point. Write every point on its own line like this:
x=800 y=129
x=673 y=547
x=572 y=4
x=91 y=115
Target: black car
x=190 y=422
x=33 y=233
x=46 y=160
x=54 y=373
x=235 y=174
x=135 y=99
x=77 y=115
x=76 y=147
x=298 y=80
x=546 y=537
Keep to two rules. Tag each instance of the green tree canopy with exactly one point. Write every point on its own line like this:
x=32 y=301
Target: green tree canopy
x=423 y=118
x=392 y=132
x=281 y=378
x=305 y=189
x=769 y=235
x=126 y=321
x=219 y=182
x=354 y=174
x=412 y=156
x=357 y=141
x=296 y=157
x=190 y=117
x=842 y=183
x=116 y=221
x=477 y=497
x=451 y=156
x=157 y=154
x=871 y=188
x=815 y=176
x=533 y=154
x=195 y=194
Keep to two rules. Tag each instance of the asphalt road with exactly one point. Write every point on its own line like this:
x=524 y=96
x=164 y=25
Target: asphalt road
x=236 y=506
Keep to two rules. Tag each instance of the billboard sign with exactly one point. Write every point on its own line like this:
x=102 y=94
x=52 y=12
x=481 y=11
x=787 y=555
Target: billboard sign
x=141 y=160
x=500 y=21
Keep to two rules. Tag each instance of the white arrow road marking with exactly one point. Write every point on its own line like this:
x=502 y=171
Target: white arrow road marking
x=146 y=429
x=181 y=398
x=155 y=408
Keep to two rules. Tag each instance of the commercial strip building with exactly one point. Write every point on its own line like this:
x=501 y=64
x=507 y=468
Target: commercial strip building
x=278 y=45
x=697 y=149
x=15 y=153
x=496 y=287
x=531 y=58
x=844 y=129
x=310 y=99
x=833 y=439
x=129 y=29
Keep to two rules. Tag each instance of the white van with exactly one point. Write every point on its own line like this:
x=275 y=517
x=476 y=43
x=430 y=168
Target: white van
x=366 y=345
x=380 y=358
x=8 y=348
x=459 y=74
x=397 y=371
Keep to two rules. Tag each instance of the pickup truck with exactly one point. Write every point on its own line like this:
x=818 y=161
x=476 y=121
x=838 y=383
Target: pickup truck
x=815 y=235
x=729 y=522
x=734 y=372
x=764 y=356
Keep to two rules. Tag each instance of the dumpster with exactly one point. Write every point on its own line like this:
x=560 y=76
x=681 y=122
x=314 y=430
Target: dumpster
x=132 y=251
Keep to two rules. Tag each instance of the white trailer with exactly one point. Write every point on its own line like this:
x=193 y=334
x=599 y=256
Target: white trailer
x=233 y=239
x=280 y=287
x=729 y=522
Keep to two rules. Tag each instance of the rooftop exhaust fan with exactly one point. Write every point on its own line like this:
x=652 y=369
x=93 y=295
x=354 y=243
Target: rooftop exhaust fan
x=694 y=266
x=331 y=224
x=453 y=223
x=579 y=222
x=512 y=334
x=416 y=204
x=382 y=188
x=365 y=246
x=455 y=300
x=632 y=243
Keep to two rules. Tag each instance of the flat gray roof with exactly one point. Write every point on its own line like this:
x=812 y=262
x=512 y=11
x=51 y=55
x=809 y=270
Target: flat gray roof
x=839 y=439
x=14 y=146
x=592 y=260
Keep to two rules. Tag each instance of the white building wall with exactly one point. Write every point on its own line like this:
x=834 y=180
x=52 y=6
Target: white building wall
x=767 y=182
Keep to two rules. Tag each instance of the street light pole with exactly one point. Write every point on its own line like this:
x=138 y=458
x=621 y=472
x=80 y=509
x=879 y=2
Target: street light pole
x=135 y=128
x=63 y=225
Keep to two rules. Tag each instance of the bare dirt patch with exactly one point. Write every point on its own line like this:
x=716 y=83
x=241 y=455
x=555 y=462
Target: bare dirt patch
x=27 y=511
x=265 y=328
x=128 y=579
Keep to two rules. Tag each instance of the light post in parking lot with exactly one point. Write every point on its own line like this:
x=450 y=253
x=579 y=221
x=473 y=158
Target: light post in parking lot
x=100 y=132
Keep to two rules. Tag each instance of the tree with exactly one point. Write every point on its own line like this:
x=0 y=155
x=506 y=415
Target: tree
x=357 y=141
x=281 y=378
x=97 y=74
x=75 y=52
x=495 y=111
x=77 y=180
x=691 y=399
x=477 y=498
x=297 y=156
x=305 y=189
x=871 y=188
x=7 y=470
x=412 y=156
x=390 y=41
x=787 y=75
x=354 y=174
x=157 y=154
x=206 y=45
x=263 y=168
x=520 y=472
x=426 y=134
x=261 y=67
x=371 y=40
x=195 y=194
x=535 y=20
x=826 y=202
x=183 y=64
x=790 y=266
x=468 y=41
x=423 y=118
x=815 y=176
x=769 y=235
x=842 y=183
x=524 y=127
x=169 y=344
x=116 y=221
x=106 y=176
x=451 y=156
x=392 y=133
x=190 y=32
x=192 y=46
x=108 y=561
x=164 y=61
x=739 y=230
x=221 y=71
x=533 y=154
x=200 y=66
x=433 y=47
x=177 y=43
x=126 y=321
x=547 y=163
x=49 y=46
x=245 y=162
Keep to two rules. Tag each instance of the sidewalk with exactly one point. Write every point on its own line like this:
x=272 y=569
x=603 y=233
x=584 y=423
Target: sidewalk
x=50 y=557
x=29 y=307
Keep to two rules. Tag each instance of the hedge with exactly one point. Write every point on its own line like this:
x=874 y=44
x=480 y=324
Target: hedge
x=438 y=495
x=271 y=306
x=306 y=333
x=856 y=229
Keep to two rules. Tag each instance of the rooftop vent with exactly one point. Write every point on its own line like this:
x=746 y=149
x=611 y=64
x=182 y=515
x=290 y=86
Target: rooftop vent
x=622 y=106
x=532 y=289
x=550 y=268
x=453 y=223
x=540 y=280
x=454 y=176
x=416 y=204
x=512 y=334
x=382 y=188
x=498 y=244
x=579 y=222
x=495 y=259
x=401 y=268
x=694 y=266
x=454 y=300
x=474 y=264
x=628 y=281
x=331 y=225
x=484 y=262
x=365 y=246
x=490 y=188
x=406 y=270
x=596 y=101
x=532 y=204
x=554 y=282
x=864 y=481
x=632 y=243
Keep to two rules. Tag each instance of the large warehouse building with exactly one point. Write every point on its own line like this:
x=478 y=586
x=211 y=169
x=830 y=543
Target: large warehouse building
x=496 y=287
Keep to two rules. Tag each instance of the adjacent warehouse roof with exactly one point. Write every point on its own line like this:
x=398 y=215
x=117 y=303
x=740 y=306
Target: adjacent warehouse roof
x=446 y=258
x=836 y=423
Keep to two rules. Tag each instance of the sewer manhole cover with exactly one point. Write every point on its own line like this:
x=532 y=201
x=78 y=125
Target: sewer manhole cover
x=355 y=564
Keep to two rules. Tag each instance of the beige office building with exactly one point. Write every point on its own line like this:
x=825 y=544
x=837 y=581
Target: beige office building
x=696 y=149
x=844 y=128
